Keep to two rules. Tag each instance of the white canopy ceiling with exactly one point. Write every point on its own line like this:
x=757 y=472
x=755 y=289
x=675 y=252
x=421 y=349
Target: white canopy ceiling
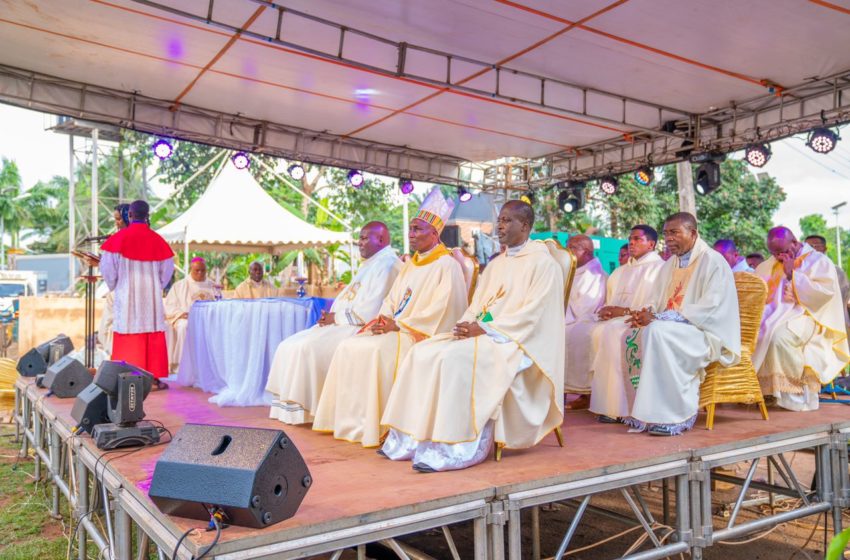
x=422 y=85
x=235 y=214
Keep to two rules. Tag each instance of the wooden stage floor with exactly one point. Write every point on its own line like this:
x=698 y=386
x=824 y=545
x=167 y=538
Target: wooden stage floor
x=354 y=486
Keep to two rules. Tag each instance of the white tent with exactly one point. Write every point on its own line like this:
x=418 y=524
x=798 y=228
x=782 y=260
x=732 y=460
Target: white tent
x=235 y=214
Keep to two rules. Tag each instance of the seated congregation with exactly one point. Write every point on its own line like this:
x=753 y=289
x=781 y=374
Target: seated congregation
x=422 y=362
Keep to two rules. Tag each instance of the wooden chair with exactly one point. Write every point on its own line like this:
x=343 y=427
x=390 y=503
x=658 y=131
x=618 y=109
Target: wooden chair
x=469 y=265
x=567 y=261
x=739 y=383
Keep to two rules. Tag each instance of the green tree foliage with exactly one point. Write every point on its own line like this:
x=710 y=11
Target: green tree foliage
x=11 y=212
x=815 y=224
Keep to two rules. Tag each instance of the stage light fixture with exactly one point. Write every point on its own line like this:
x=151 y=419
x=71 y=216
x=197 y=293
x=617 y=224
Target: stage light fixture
x=241 y=160
x=609 y=185
x=528 y=197
x=296 y=171
x=708 y=178
x=822 y=140
x=162 y=149
x=355 y=178
x=463 y=195
x=757 y=155
x=405 y=186
x=568 y=202
x=644 y=175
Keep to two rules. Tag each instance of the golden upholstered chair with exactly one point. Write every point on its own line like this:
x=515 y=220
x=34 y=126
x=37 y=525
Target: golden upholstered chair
x=567 y=261
x=739 y=383
x=8 y=376
x=469 y=265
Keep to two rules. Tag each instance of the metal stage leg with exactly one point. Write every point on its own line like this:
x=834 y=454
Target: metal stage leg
x=17 y=413
x=535 y=533
x=665 y=501
x=25 y=420
x=143 y=552
x=565 y=543
x=36 y=422
x=82 y=504
x=123 y=533
x=480 y=536
x=496 y=521
x=55 y=471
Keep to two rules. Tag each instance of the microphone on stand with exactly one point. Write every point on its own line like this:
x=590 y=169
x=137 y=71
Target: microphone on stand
x=95 y=238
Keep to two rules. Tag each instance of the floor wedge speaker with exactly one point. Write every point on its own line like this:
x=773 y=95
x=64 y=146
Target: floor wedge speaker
x=36 y=360
x=66 y=378
x=90 y=408
x=256 y=476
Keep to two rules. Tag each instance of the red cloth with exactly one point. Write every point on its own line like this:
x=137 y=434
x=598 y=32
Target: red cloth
x=145 y=350
x=138 y=242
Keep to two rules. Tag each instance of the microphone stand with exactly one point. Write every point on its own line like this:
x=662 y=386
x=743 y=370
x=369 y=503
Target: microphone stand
x=91 y=283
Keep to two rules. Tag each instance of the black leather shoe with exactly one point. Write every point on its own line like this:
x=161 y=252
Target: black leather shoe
x=660 y=431
x=380 y=451
x=608 y=419
x=423 y=468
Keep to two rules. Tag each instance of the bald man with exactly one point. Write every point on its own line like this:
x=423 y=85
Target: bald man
x=301 y=362
x=255 y=286
x=586 y=298
x=182 y=295
x=497 y=375
x=729 y=252
x=802 y=341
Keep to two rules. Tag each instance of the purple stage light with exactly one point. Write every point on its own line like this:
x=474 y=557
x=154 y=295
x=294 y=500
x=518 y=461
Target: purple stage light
x=241 y=160
x=162 y=149
x=463 y=195
x=355 y=178
x=405 y=186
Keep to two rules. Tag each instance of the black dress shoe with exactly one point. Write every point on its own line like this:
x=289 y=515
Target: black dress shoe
x=380 y=451
x=660 y=431
x=422 y=467
x=608 y=419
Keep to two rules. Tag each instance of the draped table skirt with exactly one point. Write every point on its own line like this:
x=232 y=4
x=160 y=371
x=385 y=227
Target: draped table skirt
x=230 y=344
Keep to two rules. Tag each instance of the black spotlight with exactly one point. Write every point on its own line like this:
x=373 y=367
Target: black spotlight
x=822 y=140
x=570 y=197
x=644 y=175
x=708 y=178
x=757 y=155
x=609 y=185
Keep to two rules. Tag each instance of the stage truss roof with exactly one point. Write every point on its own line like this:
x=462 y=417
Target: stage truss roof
x=547 y=90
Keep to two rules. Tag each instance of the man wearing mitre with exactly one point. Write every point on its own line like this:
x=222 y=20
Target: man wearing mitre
x=427 y=298
x=301 y=362
x=693 y=322
x=498 y=377
x=802 y=341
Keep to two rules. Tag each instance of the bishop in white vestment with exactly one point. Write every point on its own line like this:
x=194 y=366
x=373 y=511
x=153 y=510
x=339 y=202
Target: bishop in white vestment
x=696 y=323
x=427 y=298
x=255 y=286
x=586 y=298
x=629 y=289
x=498 y=376
x=802 y=341
x=178 y=302
x=301 y=362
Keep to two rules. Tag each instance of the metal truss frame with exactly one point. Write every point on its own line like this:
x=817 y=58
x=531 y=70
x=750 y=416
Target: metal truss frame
x=134 y=111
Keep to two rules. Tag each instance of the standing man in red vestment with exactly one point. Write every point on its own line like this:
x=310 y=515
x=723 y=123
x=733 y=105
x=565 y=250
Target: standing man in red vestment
x=136 y=263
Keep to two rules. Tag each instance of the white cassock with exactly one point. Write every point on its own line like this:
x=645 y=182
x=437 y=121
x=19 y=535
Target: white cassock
x=631 y=286
x=179 y=300
x=104 y=330
x=301 y=362
x=699 y=324
x=453 y=397
x=249 y=289
x=586 y=298
x=427 y=298
x=802 y=341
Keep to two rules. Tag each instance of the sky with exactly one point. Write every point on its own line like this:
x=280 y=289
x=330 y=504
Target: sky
x=812 y=182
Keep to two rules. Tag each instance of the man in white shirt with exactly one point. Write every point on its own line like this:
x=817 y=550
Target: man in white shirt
x=726 y=247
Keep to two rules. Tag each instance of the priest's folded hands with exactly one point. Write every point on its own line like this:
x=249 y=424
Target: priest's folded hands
x=468 y=329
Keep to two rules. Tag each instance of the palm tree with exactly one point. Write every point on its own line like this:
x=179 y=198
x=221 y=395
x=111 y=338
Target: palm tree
x=10 y=204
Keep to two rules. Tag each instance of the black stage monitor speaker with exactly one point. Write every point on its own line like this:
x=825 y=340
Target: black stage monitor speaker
x=66 y=378
x=451 y=236
x=90 y=408
x=255 y=475
x=36 y=360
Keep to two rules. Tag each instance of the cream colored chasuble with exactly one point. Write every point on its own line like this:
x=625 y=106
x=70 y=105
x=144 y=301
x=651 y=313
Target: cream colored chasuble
x=802 y=341
x=179 y=300
x=427 y=298
x=249 y=289
x=586 y=298
x=301 y=362
x=448 y=391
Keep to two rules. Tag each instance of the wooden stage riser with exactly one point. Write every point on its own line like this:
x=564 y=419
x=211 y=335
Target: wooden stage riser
x=68 y=462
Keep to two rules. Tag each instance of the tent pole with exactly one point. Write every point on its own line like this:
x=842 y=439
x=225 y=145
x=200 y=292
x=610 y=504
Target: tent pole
x=405 y=225
x=185 y=251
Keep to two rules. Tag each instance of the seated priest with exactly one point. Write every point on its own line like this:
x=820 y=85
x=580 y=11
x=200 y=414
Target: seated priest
x=586 y=297
x=179 y=301
x=426 y=299
x=256 y=286
x=727 y=248
x=629 y=288
x=693 y=322
x=802 y=341
x=301 y=361
x=498 y=376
